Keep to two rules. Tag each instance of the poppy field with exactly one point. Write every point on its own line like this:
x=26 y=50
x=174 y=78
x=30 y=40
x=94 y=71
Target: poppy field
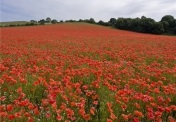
x=86 y=73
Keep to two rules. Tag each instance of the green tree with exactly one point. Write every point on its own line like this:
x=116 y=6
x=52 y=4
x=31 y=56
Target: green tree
x=147 y=24
x=33 y=21
x=168 y=18
x=101 y=22
x=165 y=26
x=173 y=23
x=54 y=21
x=120 y=23
x=174 y=30
x=169 y=23
x=42 y=21
x=92 y=20
x=128 y=24
x=48 y=19
x=158 y=28
x=104 y=23
x=80 y=20
x=136 y=25
x=112 y=21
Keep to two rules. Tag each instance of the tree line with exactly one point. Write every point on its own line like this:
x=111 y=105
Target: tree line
x=167 y=24
x=48 y=20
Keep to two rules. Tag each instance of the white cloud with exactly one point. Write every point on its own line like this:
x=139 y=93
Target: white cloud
x=82 y=9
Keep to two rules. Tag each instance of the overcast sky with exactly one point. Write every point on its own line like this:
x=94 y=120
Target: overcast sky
x=14 y=10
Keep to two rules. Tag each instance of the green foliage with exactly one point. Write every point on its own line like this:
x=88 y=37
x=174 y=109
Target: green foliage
x=70 y=20
x=167 y=24
x=147 y=25
x=174 y=30
x=120 y=23
x=92 y=20
x=33 y=21
x=42 y=21
x=48 y=19
x=104 y=23
x=31 y=24
x=13 y=23
x=158 y=28
x=112 y=21
x=54 y=21
x=167 y=18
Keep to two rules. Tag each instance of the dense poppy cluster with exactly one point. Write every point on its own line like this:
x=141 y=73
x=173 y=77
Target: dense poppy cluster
x=81 y=72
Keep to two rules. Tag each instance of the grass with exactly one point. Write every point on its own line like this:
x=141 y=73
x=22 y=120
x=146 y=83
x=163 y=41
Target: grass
x=13 y=23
